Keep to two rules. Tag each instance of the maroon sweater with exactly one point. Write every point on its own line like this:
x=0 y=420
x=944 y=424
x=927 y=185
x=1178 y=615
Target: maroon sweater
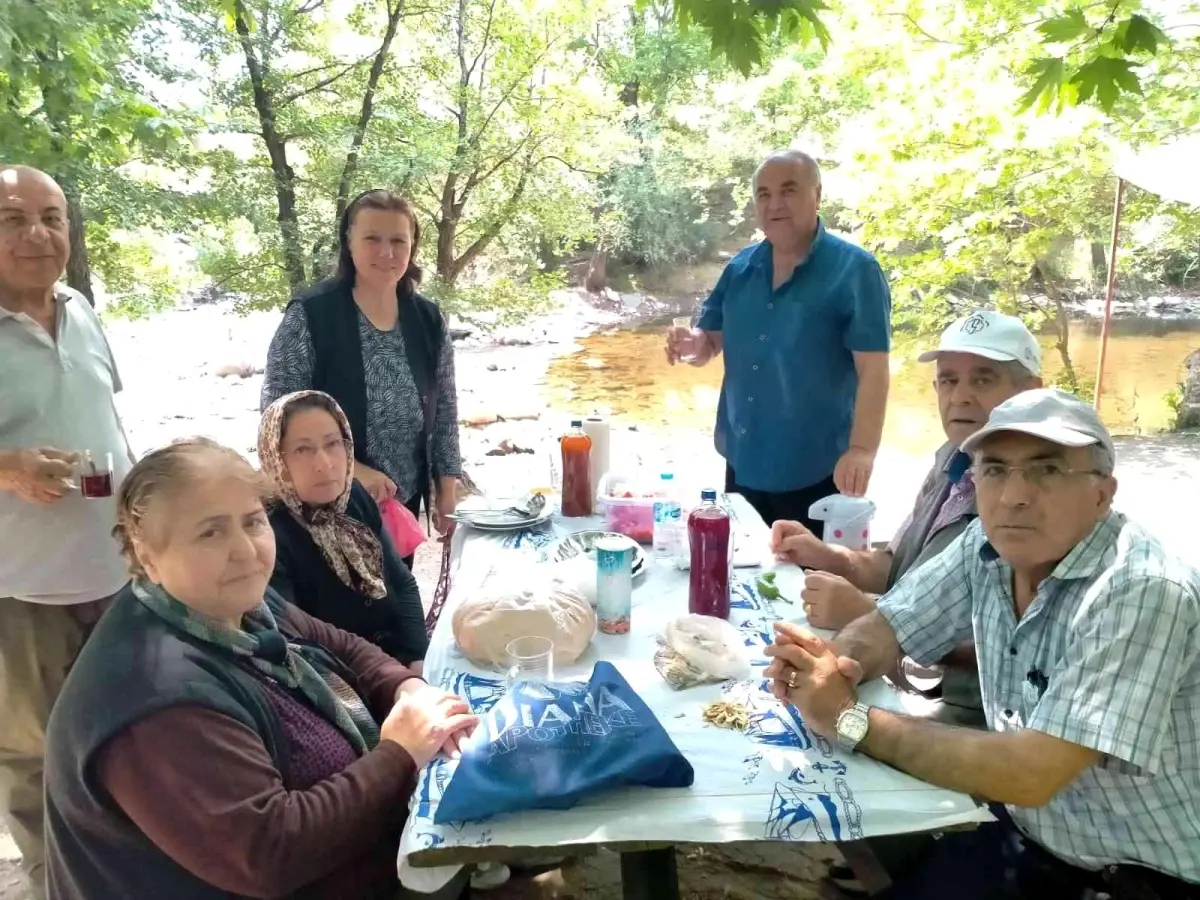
x=203 y=788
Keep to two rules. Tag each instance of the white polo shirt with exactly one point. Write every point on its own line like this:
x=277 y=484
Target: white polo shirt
x=60 y=394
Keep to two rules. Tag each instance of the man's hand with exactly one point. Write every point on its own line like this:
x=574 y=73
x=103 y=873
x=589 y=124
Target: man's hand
x=38 y=476
x=831 y=601
x=688 y=345
x=823 y=682
x=852 y=474
x=795 y=543
x=378 y=485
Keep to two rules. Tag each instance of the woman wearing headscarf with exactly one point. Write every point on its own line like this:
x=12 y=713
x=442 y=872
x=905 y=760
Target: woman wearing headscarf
x=334 y=559
x=212 y=740
x=367 y=338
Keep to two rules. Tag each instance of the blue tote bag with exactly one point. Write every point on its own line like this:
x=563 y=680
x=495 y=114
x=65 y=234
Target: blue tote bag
x=546 y=746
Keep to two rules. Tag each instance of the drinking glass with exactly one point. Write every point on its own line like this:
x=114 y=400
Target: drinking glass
x=684 y=322
x=530 y=659
x=96 y=474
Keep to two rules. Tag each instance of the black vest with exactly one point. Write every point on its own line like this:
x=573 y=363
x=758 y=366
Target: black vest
x=338 y=362
x=394 y=623
x=132 y=666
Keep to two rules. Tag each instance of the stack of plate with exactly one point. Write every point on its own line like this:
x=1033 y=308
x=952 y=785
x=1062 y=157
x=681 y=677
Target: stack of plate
x=504 y=514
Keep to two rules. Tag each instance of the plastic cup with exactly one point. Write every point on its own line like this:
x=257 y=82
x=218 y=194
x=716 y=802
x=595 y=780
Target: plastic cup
x=530 y=660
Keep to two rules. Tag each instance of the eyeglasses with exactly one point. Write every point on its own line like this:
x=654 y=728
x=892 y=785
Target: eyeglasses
x=308 y=452
x=1046 y=473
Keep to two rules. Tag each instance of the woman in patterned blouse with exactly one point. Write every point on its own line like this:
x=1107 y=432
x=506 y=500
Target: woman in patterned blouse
x=402 y=396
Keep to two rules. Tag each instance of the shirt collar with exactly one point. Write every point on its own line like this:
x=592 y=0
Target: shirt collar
x=60 y=295
x=764 y=258
x=1086 y=558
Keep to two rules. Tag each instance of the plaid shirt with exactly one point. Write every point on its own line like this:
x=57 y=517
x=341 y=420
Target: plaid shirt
x=1107 y=656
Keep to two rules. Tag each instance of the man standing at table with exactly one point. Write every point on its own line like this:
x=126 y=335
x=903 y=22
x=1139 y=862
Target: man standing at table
x=59 y=562
x=802 y=319
x=1088 y=637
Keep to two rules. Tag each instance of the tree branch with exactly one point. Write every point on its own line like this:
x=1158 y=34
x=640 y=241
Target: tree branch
x=487 y=33
x=917 y=27
x=320 y=85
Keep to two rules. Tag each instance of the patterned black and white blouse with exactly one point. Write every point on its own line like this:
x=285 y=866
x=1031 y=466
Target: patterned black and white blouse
x=394 y=416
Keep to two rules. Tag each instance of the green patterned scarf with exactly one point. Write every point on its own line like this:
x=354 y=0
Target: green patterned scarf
x=304 y=668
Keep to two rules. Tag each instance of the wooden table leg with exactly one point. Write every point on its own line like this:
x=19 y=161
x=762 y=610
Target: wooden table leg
x=649 y=875
x=867 y=869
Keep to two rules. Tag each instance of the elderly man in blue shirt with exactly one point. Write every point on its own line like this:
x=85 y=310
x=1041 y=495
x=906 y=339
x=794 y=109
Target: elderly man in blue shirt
x=1088 y=638
x=803 y=322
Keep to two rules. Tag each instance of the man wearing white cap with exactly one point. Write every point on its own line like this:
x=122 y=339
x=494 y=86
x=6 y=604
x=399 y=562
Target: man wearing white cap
x=982 y=360
x=1088 y=638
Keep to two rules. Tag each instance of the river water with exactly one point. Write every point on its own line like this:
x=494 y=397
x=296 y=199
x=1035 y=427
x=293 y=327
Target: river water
x=624 y=374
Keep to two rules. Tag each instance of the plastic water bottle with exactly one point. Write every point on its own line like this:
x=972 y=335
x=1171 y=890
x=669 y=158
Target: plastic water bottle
x=668 y=515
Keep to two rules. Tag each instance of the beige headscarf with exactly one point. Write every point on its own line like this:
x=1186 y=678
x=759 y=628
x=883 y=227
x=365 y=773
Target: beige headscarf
x=348 y=545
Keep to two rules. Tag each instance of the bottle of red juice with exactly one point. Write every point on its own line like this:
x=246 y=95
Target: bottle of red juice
x=709 y=534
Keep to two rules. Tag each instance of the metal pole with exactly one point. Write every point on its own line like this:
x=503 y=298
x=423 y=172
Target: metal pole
x=1112 y=289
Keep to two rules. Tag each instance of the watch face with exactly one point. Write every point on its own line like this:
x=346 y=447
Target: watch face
x=852 y=725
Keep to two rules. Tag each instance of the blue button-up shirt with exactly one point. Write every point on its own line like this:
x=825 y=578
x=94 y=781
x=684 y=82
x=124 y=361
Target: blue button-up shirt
x=787 y=402
x=1108 y=657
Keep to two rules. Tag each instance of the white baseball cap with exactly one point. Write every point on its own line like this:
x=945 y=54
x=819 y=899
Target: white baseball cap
x=1048 y=413
x=992 y=335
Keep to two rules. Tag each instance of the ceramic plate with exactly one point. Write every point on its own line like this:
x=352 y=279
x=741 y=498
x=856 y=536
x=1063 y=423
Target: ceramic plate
x=585 y=542
x=506 y=524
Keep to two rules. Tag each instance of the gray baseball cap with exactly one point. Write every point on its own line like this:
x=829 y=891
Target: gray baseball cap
x=1048 y=413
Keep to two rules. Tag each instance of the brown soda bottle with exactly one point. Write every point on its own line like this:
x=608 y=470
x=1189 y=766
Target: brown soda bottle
x=576 y=472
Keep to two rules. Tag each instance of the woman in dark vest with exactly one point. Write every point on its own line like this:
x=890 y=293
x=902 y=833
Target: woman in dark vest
x=212 y=740
x=383 y=351
x=334 y=559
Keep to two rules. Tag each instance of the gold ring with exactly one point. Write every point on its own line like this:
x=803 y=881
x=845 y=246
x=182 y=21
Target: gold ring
x=791 y=679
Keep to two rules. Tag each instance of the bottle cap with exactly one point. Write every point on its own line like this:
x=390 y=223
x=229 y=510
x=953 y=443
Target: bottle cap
x=708 y=494
x=577 y=423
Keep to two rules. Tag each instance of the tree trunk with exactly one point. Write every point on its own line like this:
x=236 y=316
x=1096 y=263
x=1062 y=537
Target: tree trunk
x=446 y=233
x=79 y=272
x=368 y=106
x=596 y=279
x=1062 y=327
x=285 y=176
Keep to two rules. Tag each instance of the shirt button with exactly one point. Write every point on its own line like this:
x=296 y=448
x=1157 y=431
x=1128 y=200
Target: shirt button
x=770 y=306
x=755 y=368
x=743 y=431
x=1008 y=713
x=762 y=337
x=751 y=399
x=1012 y=651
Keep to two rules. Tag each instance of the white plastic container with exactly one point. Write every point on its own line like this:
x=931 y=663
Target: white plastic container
x=847 y=520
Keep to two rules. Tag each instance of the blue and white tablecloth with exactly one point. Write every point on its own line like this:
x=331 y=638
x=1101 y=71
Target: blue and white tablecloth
x=777 y=781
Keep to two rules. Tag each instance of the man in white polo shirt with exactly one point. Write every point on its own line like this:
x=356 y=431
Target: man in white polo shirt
x=59 y=562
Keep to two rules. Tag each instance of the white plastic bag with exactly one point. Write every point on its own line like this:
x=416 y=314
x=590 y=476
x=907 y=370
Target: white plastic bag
x=695 y=649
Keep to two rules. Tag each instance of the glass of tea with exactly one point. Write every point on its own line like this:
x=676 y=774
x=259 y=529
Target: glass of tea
x=96 y=474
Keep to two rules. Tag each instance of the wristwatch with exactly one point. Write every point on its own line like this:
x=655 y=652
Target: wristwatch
x=852 y=726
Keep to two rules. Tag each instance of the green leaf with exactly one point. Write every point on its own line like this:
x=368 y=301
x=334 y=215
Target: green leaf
x=1048 y=75
x=1137 y=34
x=1065 y=28
x=1105 y=78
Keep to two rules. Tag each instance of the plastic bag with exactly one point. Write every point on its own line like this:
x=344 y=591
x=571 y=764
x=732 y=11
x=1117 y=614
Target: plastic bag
x=402 y=527
x=523 y=603
x=548 y=746
x=696 y=649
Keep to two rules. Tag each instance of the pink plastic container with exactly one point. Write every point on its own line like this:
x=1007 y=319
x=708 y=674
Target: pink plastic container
x=630 y=516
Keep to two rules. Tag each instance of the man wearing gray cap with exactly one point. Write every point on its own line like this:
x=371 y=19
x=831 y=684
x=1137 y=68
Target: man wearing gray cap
x=1088 y=638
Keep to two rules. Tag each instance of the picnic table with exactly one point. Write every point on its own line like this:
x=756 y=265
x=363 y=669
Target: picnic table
x=778 y=781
